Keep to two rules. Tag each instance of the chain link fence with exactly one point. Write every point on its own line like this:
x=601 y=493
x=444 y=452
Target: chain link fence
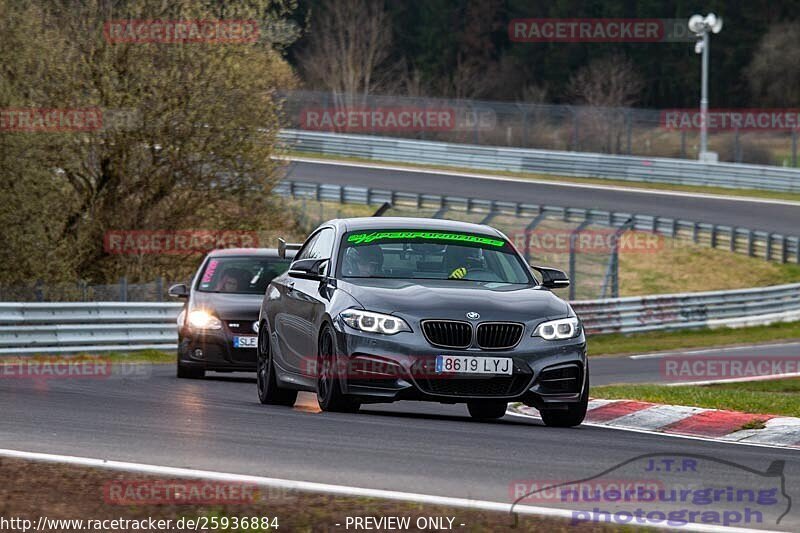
x=611 y=130
x=122 y=291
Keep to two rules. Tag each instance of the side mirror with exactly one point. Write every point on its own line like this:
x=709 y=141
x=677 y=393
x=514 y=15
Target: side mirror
x=552 y=278
x=179 y=291
x=308 y=269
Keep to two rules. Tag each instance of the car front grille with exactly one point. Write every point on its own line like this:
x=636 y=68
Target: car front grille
x=495 y=386
x=499 y=335
x=448 y=333
x=242 y=327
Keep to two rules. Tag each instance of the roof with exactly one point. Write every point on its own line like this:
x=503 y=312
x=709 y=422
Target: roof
x=253 y=252
x=438 y=224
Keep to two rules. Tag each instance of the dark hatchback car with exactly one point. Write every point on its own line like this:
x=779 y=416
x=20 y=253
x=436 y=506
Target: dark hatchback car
x=218 y=326
x=386 y=309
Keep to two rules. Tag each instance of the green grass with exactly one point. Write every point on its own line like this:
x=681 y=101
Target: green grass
x=775 y=397
x=748 y=193
x=621 y=344
x=143 y=356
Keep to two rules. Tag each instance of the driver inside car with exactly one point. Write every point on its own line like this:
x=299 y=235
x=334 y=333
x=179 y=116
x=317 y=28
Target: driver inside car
x=459 y=260
x=364 y=261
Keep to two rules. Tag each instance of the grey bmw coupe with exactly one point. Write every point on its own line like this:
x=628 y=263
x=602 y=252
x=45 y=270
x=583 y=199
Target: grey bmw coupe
x=385 y=309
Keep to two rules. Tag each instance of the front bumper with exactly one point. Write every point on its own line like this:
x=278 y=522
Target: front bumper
x=213 y=350
x=387 y=368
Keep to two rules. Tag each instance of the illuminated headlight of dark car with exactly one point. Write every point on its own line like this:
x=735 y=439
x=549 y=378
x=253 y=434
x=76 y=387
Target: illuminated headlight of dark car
x=373 y=322
x=564 y=328
x=200 y=319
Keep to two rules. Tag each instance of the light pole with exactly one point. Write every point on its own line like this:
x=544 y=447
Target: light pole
x=701 y=26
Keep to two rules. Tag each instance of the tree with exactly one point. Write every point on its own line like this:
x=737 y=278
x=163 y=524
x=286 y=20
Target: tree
x=773 y=72
x=194 y=153
x=603 y=87
x=348 y=50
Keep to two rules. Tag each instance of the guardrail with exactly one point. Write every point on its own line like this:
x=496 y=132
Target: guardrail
x=37 y=328
x=690 y=310
x=754 y=243
x=34 y=328
x=578 y=164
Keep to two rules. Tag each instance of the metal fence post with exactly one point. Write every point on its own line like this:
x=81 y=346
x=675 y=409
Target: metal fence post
x=528 y=230
x=683 y=144
x=572 y=273
x=629 y=120
x=160 y=288
x=794 y=148
x=123 y=289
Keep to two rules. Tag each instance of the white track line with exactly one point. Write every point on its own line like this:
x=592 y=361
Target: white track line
x=342 y=490
x=765 y=377
x=661 y=192
x=657 y=355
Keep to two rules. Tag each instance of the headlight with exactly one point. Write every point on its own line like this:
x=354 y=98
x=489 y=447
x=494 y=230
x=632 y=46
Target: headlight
x=374 y=322
x=564 y=328
x=204 y=320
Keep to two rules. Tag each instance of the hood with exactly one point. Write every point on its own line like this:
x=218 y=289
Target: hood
x=228 y=306
x=453 y=299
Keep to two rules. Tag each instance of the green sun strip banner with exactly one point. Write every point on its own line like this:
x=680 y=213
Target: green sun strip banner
x=366 y=238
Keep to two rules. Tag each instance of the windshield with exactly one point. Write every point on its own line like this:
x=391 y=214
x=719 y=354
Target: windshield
x=240 y=275
x=416 y=254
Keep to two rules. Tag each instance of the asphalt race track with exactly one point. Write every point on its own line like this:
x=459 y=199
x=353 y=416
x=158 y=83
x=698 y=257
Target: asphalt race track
x=648 y=368
x=780 y=218
x=217 y=424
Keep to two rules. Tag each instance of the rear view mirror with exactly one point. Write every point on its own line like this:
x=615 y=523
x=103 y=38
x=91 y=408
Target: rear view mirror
x=552 y=278
x=179 y=291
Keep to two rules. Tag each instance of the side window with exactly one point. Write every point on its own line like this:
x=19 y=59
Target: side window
x=320 y=246
x=304 y=252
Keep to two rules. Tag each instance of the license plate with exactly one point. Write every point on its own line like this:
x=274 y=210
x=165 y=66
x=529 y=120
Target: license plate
x=467 y=364
x=245 y=342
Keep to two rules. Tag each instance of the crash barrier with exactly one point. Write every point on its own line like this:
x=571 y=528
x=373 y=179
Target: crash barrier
x=764 y=244
x=34 y=328
x=560 y=163
x=735 y=308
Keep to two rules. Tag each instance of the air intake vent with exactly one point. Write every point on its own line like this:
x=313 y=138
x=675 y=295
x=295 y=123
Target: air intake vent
x=448 y=333
x=499 y=335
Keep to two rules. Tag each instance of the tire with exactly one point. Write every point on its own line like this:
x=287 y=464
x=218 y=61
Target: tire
x=268 y=391
x=329 y=389
x=572 y=416
x=189 y=372
x=487 y=410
